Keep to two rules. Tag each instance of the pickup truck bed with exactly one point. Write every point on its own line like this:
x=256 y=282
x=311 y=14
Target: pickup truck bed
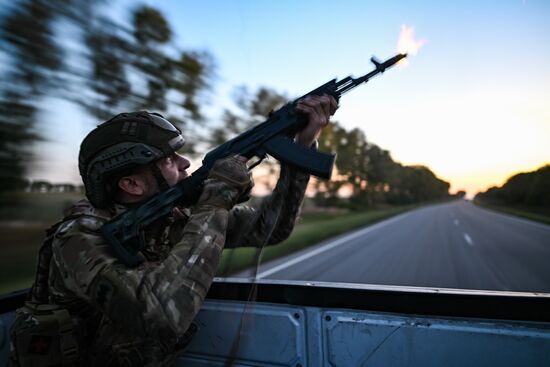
x=332 y=324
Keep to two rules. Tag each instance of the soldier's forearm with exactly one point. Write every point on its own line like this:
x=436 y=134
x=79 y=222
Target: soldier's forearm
x=292 y=191
x=189 y=269
x=161 y=299
x=274 y=220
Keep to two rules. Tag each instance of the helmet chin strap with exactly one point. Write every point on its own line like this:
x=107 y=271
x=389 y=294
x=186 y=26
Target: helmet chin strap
x=157 y=173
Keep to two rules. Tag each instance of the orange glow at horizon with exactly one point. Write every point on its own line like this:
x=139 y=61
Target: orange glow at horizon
x=407 y=44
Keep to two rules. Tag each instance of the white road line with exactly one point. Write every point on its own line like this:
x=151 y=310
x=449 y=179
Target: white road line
x=468 y=239
x=456 y=222
x=328 y=246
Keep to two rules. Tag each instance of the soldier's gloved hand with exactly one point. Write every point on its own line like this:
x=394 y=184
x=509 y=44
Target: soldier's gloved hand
x=229 y=182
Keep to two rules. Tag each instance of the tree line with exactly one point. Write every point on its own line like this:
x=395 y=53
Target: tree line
x=75 y=51
x=43 y=186
x=370 y=176
x=529 y=189
x=365 y=173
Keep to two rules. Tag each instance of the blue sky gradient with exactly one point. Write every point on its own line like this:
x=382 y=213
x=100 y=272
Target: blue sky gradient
x=472 y=105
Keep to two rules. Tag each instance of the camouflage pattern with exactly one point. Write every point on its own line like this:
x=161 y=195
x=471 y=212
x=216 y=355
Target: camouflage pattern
x=139 y=316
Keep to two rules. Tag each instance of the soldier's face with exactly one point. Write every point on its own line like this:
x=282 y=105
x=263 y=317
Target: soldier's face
x=174 y=168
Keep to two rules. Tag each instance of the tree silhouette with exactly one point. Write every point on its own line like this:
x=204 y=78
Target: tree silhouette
x=27 y=36
x=530 y=189
x=76 y=51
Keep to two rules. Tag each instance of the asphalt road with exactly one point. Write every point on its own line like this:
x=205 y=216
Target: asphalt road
x=452 y=245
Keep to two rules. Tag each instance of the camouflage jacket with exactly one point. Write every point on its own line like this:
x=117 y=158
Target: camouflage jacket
x=138 y=316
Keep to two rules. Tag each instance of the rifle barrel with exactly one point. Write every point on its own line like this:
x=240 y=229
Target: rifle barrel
x=347 y=84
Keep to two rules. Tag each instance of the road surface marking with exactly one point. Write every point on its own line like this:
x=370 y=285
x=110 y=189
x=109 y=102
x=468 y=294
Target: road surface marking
x=456 y=222
x=328 y=246
x=468 y=239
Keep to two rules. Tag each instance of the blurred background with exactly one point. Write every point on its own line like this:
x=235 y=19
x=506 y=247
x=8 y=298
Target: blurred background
x=465 y=117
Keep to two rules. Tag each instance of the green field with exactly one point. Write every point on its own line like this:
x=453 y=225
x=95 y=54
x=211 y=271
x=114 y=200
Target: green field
x=35 y=206
x=23 y=223
x=24 y=217
x=536 y=214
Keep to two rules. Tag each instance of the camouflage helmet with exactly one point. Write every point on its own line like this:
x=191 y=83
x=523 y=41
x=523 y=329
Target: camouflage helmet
x=121 y=144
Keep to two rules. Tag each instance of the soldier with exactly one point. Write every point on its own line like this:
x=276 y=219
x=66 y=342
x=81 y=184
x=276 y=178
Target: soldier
x=87 y=308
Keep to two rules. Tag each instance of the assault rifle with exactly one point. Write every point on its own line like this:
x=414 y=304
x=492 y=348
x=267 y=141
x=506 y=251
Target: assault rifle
x=275 y=137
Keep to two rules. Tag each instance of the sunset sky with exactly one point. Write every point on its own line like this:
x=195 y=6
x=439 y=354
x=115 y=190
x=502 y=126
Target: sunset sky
x=473 y=105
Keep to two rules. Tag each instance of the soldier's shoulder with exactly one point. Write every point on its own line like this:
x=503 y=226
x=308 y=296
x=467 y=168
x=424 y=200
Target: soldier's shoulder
x=85 y=208
x=83 y=216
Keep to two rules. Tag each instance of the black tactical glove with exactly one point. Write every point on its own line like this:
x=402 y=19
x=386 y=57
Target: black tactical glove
x=229 y=182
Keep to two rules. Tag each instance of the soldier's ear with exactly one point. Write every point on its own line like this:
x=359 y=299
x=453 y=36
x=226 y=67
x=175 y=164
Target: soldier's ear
x=135 y=185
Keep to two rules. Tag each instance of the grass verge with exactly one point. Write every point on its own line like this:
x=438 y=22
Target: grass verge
x=518 y=212
x=18 y=252
x=311 y=230
x=20 y=243
x=35 y=206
